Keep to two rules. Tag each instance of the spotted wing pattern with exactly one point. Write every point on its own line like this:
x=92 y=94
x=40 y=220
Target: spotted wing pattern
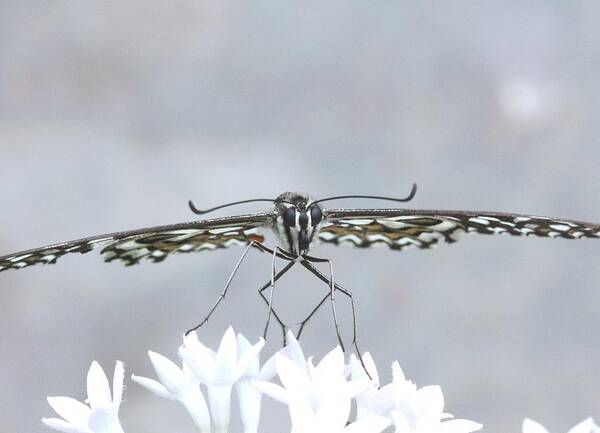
x=153 y=243
x=403 y=228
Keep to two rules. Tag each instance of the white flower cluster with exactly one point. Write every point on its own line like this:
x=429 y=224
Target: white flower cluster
x=319 y=397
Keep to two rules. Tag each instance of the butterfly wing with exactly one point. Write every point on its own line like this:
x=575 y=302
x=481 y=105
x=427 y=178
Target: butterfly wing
x=402 y=228
x=152 y=243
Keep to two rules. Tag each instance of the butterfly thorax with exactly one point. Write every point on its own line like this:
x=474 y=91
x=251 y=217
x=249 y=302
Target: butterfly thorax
x=297 y=221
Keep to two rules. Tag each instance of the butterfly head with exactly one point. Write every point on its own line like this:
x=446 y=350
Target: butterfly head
x=297 y=221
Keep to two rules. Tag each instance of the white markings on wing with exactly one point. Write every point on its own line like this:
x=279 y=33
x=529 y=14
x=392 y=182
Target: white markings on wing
x=428 y=229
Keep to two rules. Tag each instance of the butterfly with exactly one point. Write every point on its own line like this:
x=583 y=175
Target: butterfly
x=299 y=222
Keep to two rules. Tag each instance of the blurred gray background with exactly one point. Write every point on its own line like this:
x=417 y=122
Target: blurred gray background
x=114 y=114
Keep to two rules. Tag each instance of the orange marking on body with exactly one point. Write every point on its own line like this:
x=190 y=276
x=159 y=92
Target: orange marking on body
x=257 y=238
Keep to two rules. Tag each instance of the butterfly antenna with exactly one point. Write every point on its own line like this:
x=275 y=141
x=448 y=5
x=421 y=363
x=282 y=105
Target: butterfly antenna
x=202 y=212
x=409 y=197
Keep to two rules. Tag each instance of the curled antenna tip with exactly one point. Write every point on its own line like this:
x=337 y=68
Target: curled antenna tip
x=194 y=209
x=413 y=191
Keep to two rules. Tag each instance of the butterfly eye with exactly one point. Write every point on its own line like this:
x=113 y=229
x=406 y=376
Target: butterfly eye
x=315 y=215
x=289 y=217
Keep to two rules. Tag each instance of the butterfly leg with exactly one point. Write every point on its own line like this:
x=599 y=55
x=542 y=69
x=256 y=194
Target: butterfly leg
x=332 y=289
x=262 y=295
x=224 y=292
x=308 y=265
x=272 y=287
x=312 y=313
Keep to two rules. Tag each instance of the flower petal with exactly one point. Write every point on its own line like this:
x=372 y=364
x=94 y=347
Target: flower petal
x=220 y=404
x=332 y=365
x=272 y=390
x=268 y=370
x=383 y=400
x=169 y=373
x=585 y=426
x=249 y=399
x=194 y=402
x=357 y=371
x=302 y=416
x=63 y=426
x=354 y=388
x=118 y=377
x=153 y=386
x=104 y=420
x=460 y=426
x=293 y=351
x=292 y=377
x=430 y=399
x=248 y=361
x=226 y=360
x=397 y=374
x=368 y=425
x=531 y=426
x=98 y=388
x=332 y=414
x=401 y=424
x=73 y=411
x=199 y=358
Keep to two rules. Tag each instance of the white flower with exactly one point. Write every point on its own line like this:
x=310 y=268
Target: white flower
x=292 y=350
x=319 y=397
x=248 y=396
x=177 y=384
x=331 y=416
x=366 y=400
x=218 y=371
x=102 y=414
x=585 y=426
x=306 y=389
x=411 y=409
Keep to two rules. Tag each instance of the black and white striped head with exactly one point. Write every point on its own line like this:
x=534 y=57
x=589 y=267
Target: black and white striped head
x=297 y=221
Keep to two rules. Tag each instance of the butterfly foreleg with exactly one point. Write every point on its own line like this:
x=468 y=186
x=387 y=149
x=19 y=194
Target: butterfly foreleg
x=226 y=288
x=274 y=254
x=264 y=298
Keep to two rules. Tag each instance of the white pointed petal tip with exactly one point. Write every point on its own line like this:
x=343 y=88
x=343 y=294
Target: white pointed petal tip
x=293 y=350
x=226 y=359
x=397 y=373
x=71 y=410
x=585 y=426
x=199 y=359
x=461 y=426
x=169 y=373
x=290 y=337
x=153 y=386
x=357 y=369
x=243 y=343
x=248 y=362
x=190 y=336
x=531 y=426
x=98 y=389
x=333 y=359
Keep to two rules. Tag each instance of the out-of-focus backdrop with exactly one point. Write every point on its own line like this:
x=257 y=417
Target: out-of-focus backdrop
x=114 y=114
